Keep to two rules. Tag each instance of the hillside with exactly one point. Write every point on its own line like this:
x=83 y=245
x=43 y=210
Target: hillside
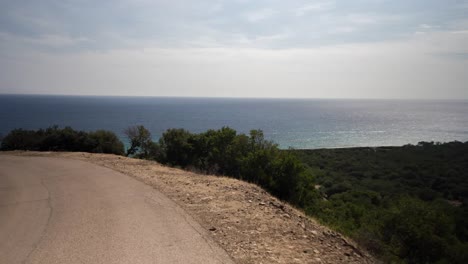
x=407 y=204
x=251 y=225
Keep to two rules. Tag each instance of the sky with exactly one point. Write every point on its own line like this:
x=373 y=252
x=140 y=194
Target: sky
x=403 y=49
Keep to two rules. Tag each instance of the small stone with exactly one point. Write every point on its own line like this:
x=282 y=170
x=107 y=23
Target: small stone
x=205 y=199
x=277 y=205
x=212 y=228
x=262 y=203
x=314 y=232
x=287 y=216
x=316 y=251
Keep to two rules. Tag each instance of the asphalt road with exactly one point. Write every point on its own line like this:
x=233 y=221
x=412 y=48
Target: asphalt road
x=56 y=210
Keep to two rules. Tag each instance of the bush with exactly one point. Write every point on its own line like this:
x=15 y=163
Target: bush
x=104 y=141
x=19 y=139
x=66 y=139
x=417 y=232
x=251 y=158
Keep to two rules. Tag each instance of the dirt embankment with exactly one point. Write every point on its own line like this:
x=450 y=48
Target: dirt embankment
x=251 y=225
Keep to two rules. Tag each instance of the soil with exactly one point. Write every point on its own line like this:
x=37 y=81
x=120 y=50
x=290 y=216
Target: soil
x=251 y=225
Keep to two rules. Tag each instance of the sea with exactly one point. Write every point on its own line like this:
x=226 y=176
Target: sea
x=291 y=123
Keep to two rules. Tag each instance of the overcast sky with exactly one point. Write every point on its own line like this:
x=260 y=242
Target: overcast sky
x=236 y=48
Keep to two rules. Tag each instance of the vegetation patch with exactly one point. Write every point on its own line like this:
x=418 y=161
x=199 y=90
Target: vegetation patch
x=405 y=204
x=63 y=139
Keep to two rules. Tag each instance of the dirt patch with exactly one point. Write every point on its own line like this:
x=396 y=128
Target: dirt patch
x=251 y=225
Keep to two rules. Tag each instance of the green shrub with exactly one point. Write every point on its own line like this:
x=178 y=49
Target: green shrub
x=104 y=141
x=248 y=157
x=66 y=139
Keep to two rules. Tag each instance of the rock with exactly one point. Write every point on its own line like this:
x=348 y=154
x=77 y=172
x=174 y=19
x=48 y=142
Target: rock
x=277 y=205
x=262 y=203
x=316 y=251
x=287 y=216
x=205 y=199
x=314 y=232
x=212 y=228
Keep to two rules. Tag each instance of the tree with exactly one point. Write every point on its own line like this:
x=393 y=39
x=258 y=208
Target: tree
x=175 y=143
x=218 y=142
x=140 y=141
x=106 y=142
x=287 y=174
x=418 y=232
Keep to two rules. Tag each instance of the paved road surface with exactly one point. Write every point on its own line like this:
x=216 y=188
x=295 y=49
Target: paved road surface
x=66 y=211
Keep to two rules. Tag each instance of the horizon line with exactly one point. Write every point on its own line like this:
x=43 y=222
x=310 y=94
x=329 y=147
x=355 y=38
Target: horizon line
x=237 y=97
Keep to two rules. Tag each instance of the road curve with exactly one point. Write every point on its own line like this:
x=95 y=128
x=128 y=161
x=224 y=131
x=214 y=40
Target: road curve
x=56 y=210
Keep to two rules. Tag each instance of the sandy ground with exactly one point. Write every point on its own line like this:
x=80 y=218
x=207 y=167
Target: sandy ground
x=251 y=225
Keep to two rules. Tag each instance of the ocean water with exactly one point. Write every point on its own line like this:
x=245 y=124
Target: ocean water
x=297 y=123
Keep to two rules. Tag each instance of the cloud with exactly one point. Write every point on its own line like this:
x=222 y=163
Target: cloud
x=426 y=26
x=404 y=69
x=143 y=23
x=459 y=32
x=258 y=15
x=322 y=48
x=344 y=29
x=11 y=44
x=314 y=7
x=56 y=41
x=366 y=19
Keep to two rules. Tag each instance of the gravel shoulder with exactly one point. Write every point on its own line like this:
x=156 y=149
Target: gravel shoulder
x=251 y=225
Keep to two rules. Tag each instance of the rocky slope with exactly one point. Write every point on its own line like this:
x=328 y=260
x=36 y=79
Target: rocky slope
x=251 y=225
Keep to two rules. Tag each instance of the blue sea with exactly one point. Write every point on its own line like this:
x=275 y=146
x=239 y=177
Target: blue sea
x=297 y=123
